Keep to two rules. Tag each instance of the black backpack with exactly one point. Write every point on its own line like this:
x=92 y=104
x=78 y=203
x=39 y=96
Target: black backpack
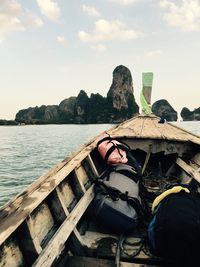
x=174 y=230
x=117 y=205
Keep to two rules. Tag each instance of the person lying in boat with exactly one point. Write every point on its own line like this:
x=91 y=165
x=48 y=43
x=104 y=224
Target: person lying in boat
x=174 y=230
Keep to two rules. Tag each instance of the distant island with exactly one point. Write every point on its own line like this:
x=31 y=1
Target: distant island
x=117 y=106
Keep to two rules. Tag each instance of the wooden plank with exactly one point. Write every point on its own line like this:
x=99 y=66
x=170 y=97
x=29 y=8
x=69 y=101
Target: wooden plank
x=105 y=245
x=81 y=174
x=42 y=222
x=94 y=169
x=75 y=236
x=91 y=262
x=11 y=255
x=148 y=127
x=79 y=182
x=34 y=238
x=28 y=201
x=188 y=169
x=56 y=207
x=56 y=244
x=67 y=194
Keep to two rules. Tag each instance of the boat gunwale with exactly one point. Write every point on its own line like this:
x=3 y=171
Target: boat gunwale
x=7 y=212
x=9 y=209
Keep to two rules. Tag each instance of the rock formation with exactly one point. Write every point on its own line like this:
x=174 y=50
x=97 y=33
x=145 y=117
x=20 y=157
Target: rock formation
x=163 y=109
x=51 y=113
x=38 y=115
x=188 y=115
x=119 y=105
x=120 y=96
x=81 y=107
x=67 y=105
x=8 y=122
x=66 y=110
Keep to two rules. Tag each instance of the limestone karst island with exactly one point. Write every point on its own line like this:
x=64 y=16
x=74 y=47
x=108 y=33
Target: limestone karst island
x=117 y=106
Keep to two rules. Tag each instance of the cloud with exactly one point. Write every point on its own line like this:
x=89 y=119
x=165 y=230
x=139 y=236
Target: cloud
x=108 y=30
x=13 y=18
x=33 y=21
x=98 y=47
x=49 y=8
x=154 y=53
x=91 y=11
x=62 y=40
x=185 y=16
x=125 y=2
x=10 y=13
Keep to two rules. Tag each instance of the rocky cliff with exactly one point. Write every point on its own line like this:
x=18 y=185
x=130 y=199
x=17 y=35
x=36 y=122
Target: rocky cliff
x=120 y=97
x=8 y=122
x=188 y=115
x=66 y=110
x=38 y=115
x=163 y=109
x=117 y=106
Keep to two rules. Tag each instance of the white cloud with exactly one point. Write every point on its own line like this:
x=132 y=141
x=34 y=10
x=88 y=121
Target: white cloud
x=98 y=47
x=125 y=2
x=49 y=8
x=14 y=18
x=108 y=30
x=154 y=53
x=91 y=11
x=33 y=21
x=185 y=16
x=62 y=40
x=10 y=13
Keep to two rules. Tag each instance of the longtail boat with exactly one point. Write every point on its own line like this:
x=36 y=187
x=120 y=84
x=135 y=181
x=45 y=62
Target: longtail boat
x=51 y=223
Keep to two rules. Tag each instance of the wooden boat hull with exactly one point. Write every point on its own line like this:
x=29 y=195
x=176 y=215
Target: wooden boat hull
x=51 y=223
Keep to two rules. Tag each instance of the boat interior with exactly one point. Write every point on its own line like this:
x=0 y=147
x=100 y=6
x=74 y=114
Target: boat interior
x=52 y=222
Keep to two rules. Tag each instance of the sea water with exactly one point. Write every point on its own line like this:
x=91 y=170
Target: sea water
x=27 y=152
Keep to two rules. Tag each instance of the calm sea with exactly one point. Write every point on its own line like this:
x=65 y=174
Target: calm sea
x=27 y=152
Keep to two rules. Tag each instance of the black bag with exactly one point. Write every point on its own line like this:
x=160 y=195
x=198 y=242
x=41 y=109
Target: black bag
x=117 y=204
x=174 y=230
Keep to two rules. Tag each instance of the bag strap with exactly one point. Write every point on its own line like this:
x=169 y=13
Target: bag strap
x=125 y=146
x=104 y=139
x=108 y=189
x=112 y=148
x=134 y=202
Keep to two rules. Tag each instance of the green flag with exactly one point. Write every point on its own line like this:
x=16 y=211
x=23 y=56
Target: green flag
x=145 y=96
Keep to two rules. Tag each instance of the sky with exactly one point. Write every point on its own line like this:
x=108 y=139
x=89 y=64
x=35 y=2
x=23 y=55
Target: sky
x=52 y=49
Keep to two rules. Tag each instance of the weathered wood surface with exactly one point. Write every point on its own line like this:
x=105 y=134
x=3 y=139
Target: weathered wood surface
x=95 y=262
x=76 y=235
x=25 y=205
x=195 y=174
x=105 y=245
x=11 y=255
x=143 y=127
x=17 y=210
x=56 y=244
x=168 y=147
